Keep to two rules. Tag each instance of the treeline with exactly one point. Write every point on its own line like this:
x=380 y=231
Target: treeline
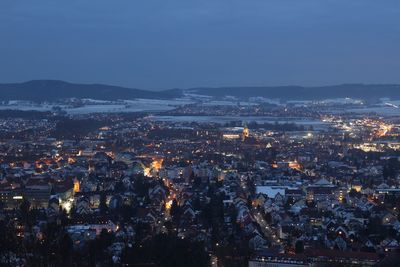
x=167 y=250
x=54 y=90
x=67 y=128
x=273 y=126
x=25 y=114
x=357 y=91
x=159 y=133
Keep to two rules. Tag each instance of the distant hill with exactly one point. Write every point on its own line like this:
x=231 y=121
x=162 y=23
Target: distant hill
x=358 y=91
x=50 y=90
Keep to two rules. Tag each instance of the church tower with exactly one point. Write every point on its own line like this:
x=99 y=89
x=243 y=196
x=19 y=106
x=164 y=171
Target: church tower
x=246 y=133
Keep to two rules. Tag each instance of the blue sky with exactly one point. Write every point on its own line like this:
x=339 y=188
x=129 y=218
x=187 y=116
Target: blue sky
x=159 y=44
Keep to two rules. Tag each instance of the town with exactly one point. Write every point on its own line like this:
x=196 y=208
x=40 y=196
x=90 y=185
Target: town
x=128 y=189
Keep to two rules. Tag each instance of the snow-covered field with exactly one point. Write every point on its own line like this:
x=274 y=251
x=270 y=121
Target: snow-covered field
x=96 y=106
x=385 y=108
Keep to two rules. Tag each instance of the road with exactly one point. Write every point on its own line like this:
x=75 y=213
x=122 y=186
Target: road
x=266 y=229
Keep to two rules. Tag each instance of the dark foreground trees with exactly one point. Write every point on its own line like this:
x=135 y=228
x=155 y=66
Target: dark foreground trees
x=167 y=251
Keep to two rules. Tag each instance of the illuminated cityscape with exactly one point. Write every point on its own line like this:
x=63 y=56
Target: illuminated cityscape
x=228 y=133
x=300 y=191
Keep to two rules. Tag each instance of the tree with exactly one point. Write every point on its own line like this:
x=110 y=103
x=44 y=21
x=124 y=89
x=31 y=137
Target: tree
x=289 y=202
x=353 y=193
x=391 y=168
x=24 y=210
x=175 y=209
x=268 y=217
x=103 y=204
x=196 y=181
x=65 y=249
x=168 y=251
x=8 y=243
x=96 y=254
x=299 y=247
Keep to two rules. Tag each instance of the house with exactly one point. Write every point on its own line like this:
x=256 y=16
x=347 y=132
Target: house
x=257 y=242
x=259 y=200
x=82 y=206
x=389 y=219
x=389 y=245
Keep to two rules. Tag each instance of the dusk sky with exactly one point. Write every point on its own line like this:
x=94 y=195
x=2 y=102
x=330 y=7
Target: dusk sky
x=161 y=44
